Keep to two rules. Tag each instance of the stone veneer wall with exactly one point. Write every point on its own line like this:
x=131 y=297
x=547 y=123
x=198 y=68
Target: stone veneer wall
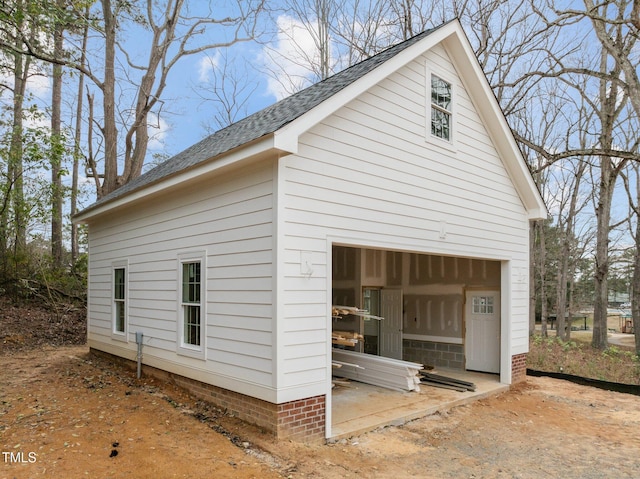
x=434 y=354
x=301 y=420
x=518 y=368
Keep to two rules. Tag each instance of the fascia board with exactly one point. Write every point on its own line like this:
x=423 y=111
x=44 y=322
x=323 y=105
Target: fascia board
x=286 y=138
x=475 y=82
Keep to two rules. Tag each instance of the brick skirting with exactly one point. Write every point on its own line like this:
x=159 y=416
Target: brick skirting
x=301 y=420
x=518 y=368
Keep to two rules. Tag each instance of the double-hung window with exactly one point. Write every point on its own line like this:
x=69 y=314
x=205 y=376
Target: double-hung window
x=441 y=108
x=192 y=317
x=119 y=300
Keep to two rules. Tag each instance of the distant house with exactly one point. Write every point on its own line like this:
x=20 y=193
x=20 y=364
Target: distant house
x=395 y=184
x=619 y=300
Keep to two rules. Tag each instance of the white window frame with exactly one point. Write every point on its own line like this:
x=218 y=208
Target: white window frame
x=184 y=348
x=115 y=333
x=431 y=72
x=483 y=304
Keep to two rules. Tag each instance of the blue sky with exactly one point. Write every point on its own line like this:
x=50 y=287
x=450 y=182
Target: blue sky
x=186 y=116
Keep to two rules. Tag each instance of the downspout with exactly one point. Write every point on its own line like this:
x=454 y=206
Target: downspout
x=139 y=357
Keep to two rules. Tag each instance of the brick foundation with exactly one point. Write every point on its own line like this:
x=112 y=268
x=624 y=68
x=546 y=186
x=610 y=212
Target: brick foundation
x=518 y=368
x=301 y=420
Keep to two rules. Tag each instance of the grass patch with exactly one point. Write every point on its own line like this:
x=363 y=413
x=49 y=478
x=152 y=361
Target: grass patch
x=578 y=358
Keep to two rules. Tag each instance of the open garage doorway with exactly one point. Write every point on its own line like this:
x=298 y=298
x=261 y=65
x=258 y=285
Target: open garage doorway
x=423 y=299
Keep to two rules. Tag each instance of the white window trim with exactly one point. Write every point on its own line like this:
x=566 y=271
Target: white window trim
x=450 y=144
x=120 y=335
x=184 y=349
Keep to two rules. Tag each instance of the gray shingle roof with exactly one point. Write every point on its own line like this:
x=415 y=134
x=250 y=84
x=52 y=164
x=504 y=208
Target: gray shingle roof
x=261 y=123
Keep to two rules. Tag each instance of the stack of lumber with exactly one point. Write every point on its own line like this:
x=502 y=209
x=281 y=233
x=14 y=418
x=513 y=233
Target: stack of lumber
x=378 y=371
x=437 y=380
x=346 y=338
x=337 y=312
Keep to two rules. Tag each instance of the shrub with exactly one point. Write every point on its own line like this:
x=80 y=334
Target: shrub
x=614 y=364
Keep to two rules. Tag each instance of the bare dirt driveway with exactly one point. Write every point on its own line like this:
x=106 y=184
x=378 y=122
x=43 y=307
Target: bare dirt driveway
x=67 y=414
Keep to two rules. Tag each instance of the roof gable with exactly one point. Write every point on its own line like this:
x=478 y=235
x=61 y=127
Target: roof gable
x=287 y=119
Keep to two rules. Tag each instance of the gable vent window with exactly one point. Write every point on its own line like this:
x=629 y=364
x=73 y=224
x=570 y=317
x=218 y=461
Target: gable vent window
x=440 y=108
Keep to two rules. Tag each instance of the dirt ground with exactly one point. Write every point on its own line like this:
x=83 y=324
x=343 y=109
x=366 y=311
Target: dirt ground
x=65 y=413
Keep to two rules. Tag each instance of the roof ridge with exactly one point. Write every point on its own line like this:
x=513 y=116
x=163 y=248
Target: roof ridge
x=263 y=122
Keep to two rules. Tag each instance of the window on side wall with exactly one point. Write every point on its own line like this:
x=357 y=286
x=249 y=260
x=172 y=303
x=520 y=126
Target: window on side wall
x=441 y=108
x=119 y=301
x=191 y=327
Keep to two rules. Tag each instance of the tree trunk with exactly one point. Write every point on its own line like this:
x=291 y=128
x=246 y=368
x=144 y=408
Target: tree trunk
x=532 y=278
x=601 y=295
x=21 y=71
x=76 y=144
x=110 y=130
x=13 y=201
x=542 y=258
x=56 y=150
x=565 y=272
x=635 y=283
x=635 y=280
x=608 y=173
x=563 y=322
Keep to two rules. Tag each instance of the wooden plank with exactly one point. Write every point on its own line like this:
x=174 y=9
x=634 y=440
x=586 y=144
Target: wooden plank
x=342 y=363
x=435 y=378
x=344 y=342
x=443 y=386
x=431 y=375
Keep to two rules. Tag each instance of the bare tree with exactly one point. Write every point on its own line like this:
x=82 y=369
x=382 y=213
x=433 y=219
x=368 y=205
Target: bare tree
x=228 y=86
x=14 y=194
x=569 y=201
x=542 y=271
x=174 y=34
x=168 y=46
x=621 y=44
x=609 y=170
x=77 y=139
x=303 y=53
x=362 y=29
x=56 y=154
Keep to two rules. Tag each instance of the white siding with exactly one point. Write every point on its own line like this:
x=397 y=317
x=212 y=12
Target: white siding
x=230 y=219
x=370 y=175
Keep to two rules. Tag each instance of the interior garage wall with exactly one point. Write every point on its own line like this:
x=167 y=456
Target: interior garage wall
x=433 y=289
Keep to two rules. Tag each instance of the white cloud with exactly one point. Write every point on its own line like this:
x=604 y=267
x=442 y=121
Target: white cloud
x=206 y=64
x=39 y=84
x=292 y=60
x=158 y=129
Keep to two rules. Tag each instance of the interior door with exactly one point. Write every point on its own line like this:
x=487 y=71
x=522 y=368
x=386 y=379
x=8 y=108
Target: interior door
x=391 y=326
x=482 y=334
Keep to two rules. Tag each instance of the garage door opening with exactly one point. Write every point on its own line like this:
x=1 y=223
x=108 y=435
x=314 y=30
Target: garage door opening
x=424 y=300
x=438 y=311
